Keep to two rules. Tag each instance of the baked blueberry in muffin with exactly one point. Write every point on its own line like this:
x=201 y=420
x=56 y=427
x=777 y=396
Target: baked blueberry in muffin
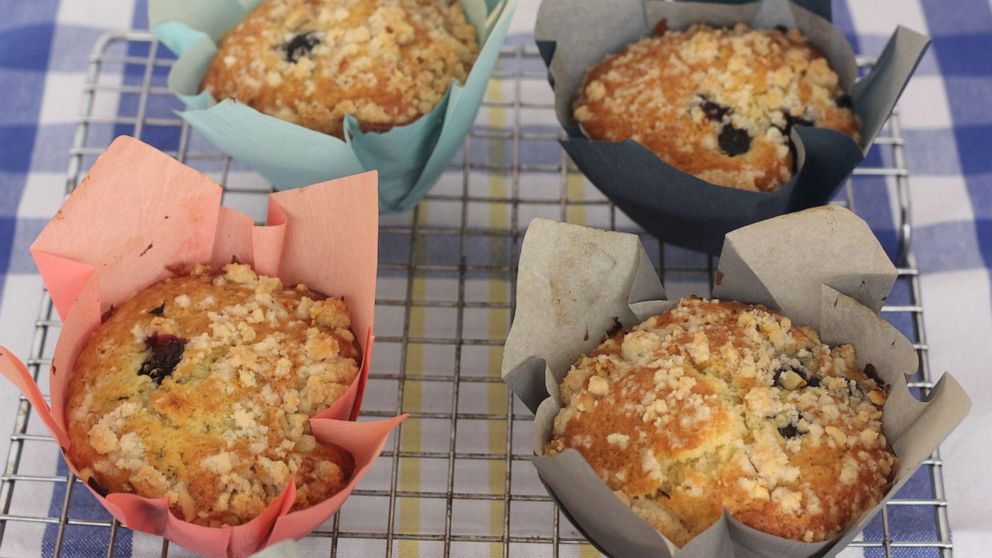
x=200 y=388
x=716 y=103
x=716 y=405
x=311 y=62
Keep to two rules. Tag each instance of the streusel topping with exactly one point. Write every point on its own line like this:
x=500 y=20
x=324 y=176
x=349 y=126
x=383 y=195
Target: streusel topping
x=716 y=103
x=386 y=62
x=200 y=389
x=718 y=405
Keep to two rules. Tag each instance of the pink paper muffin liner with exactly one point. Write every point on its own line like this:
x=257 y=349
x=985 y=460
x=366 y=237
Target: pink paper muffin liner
x=138 y=214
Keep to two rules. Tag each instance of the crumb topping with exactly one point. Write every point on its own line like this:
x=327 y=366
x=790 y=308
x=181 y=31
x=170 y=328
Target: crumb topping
x=200 y=388
x=720 y=404
x=386 y=62
x=716 y=103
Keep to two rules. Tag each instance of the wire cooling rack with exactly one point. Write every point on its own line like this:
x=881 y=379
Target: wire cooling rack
x=455 y=479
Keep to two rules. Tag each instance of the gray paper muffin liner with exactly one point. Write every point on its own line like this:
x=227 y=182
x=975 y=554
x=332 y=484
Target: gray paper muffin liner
x=574 y=35
x=820 y=267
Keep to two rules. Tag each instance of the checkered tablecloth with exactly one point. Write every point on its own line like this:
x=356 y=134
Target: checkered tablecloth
x=947 y=122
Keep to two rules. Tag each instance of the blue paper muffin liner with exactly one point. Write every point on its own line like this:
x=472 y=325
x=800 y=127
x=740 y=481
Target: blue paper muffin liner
x=409 y=158
x=575 y=35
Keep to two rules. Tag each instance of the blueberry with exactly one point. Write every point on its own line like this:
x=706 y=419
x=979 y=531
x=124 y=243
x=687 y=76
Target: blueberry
x=158 y=310
x=845 y=101
x=661 y=27
x=712 y=110
x=97 y=487
x=615 y=328
x=733 y=141
x=789 y=431
x=782 y=29
x=872 y=373
x=164 y=353
x=300 y=46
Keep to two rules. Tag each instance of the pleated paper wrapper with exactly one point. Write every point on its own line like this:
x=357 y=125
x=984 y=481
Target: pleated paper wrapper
x=409 y=158
x=821 y=267
x=575 y=35
x=139 y=213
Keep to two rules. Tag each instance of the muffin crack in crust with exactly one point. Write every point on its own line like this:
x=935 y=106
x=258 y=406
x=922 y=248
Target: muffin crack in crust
x=311 y=62
x=200 y=389
x=716 y=405
x=716 y=103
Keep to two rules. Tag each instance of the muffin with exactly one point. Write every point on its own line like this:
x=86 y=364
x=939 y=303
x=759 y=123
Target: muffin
x=200 y=388
x=716 y=103
x=720 y=405
x=311 y=62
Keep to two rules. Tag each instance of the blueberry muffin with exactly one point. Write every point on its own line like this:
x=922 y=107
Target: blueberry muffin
x=311 y=62
x=716 y=103
x=716 y=405
x=200 y=388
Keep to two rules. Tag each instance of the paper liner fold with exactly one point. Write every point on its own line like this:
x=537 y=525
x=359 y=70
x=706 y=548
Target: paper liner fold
x=820 y=267
x=679 y=208
x=409 y=158
x=139 y=214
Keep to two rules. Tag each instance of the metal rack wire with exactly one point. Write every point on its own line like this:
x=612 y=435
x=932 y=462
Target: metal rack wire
x=455 y=480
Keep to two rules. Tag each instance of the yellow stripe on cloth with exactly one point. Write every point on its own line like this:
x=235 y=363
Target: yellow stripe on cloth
x=574 y=191
x=409 y=478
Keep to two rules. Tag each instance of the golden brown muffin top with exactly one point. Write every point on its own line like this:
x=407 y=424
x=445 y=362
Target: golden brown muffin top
x=716 y=103
x=200 y=389
x=716 y=405
x=311 y=62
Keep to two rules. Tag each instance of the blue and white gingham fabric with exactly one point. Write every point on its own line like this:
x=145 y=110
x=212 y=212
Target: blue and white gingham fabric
x=947 y=121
